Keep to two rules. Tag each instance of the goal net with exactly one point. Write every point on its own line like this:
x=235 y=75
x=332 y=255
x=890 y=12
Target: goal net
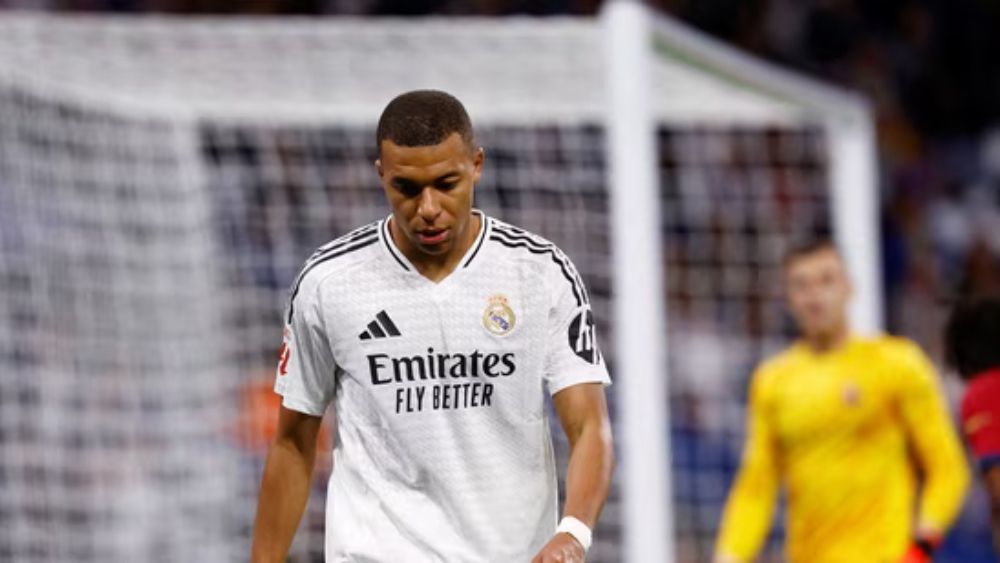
x=162 y=180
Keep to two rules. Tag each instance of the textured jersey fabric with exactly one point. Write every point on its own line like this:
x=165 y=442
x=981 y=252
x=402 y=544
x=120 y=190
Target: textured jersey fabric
x=981 y=418
x=837 y=430
x=443 y=450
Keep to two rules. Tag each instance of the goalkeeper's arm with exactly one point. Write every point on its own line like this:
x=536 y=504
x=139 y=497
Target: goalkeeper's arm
x=937 y=450
x=936 y=446
x=284 y=488
x=747 y=516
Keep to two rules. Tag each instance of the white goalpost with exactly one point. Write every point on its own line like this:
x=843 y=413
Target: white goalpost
x=162 y=180
x=638 y=288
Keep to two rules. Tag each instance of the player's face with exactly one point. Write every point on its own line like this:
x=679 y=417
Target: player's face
x=818 y=292
x=430 y=191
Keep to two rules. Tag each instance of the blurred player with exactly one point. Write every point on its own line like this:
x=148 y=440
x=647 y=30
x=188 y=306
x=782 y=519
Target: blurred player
x=834 y=419
x=973 y=342
x=435 y=332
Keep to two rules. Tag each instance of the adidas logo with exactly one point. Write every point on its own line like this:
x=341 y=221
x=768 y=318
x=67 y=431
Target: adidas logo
x=381 y=327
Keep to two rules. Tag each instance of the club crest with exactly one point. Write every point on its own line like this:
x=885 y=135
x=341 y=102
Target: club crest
x=499 y=318
x=851 y=394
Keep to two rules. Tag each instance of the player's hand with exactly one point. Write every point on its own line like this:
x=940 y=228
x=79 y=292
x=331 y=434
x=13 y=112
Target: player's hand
x=562 y=548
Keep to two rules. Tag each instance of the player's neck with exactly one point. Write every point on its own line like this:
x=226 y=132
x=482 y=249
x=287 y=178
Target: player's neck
x=437 y=267
x=826 y=342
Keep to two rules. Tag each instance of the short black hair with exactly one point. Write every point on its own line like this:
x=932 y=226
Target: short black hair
x=421 y=118
x=808 y=246
x=972 y=335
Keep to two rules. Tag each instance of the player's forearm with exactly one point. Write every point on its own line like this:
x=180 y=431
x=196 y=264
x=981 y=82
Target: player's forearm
x=942 y=503
x=283 y=494
x=747 y=517
x=588 y=475
x=749 y=509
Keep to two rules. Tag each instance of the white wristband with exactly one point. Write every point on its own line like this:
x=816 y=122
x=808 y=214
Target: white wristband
x=577 y=529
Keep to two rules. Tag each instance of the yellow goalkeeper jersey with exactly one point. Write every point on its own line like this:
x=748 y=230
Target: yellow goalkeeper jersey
x=846 y=433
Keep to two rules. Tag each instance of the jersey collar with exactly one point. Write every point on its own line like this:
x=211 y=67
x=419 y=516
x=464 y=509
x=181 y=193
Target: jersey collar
x=845 y=346
x=399 y=258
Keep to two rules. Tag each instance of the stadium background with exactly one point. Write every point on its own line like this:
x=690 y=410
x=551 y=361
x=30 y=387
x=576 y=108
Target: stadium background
x=926 y=67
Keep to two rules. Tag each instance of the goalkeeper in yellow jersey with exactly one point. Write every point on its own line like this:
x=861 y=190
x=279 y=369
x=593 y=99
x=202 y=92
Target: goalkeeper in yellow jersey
x=846 y=425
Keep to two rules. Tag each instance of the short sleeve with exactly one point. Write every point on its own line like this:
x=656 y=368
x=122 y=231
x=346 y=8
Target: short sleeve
x=573 y=356
x=306 y=371
x=981 y=422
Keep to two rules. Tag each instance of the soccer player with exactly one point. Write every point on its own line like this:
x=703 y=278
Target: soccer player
x=435 y=333
x=971 y=339
x=834 y=419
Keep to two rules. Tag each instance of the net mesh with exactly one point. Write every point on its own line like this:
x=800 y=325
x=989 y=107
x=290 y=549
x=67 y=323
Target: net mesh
x=145 y=259
x=733 y=200
x=115 y=394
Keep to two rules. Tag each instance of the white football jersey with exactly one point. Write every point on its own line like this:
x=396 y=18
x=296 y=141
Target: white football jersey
x=443 y=451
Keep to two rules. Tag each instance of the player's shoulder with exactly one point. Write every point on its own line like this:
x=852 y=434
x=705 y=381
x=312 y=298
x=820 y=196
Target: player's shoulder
x=519 y=244
x=890 y=348
x=519 y=239
x=902 y=363
x=981 y=391
x=339 y=255
x=768 y=375
x=777 y=364
x=980 y=416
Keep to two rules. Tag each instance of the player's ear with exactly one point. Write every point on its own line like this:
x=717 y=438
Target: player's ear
x=378 y=167
x=477 y=160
